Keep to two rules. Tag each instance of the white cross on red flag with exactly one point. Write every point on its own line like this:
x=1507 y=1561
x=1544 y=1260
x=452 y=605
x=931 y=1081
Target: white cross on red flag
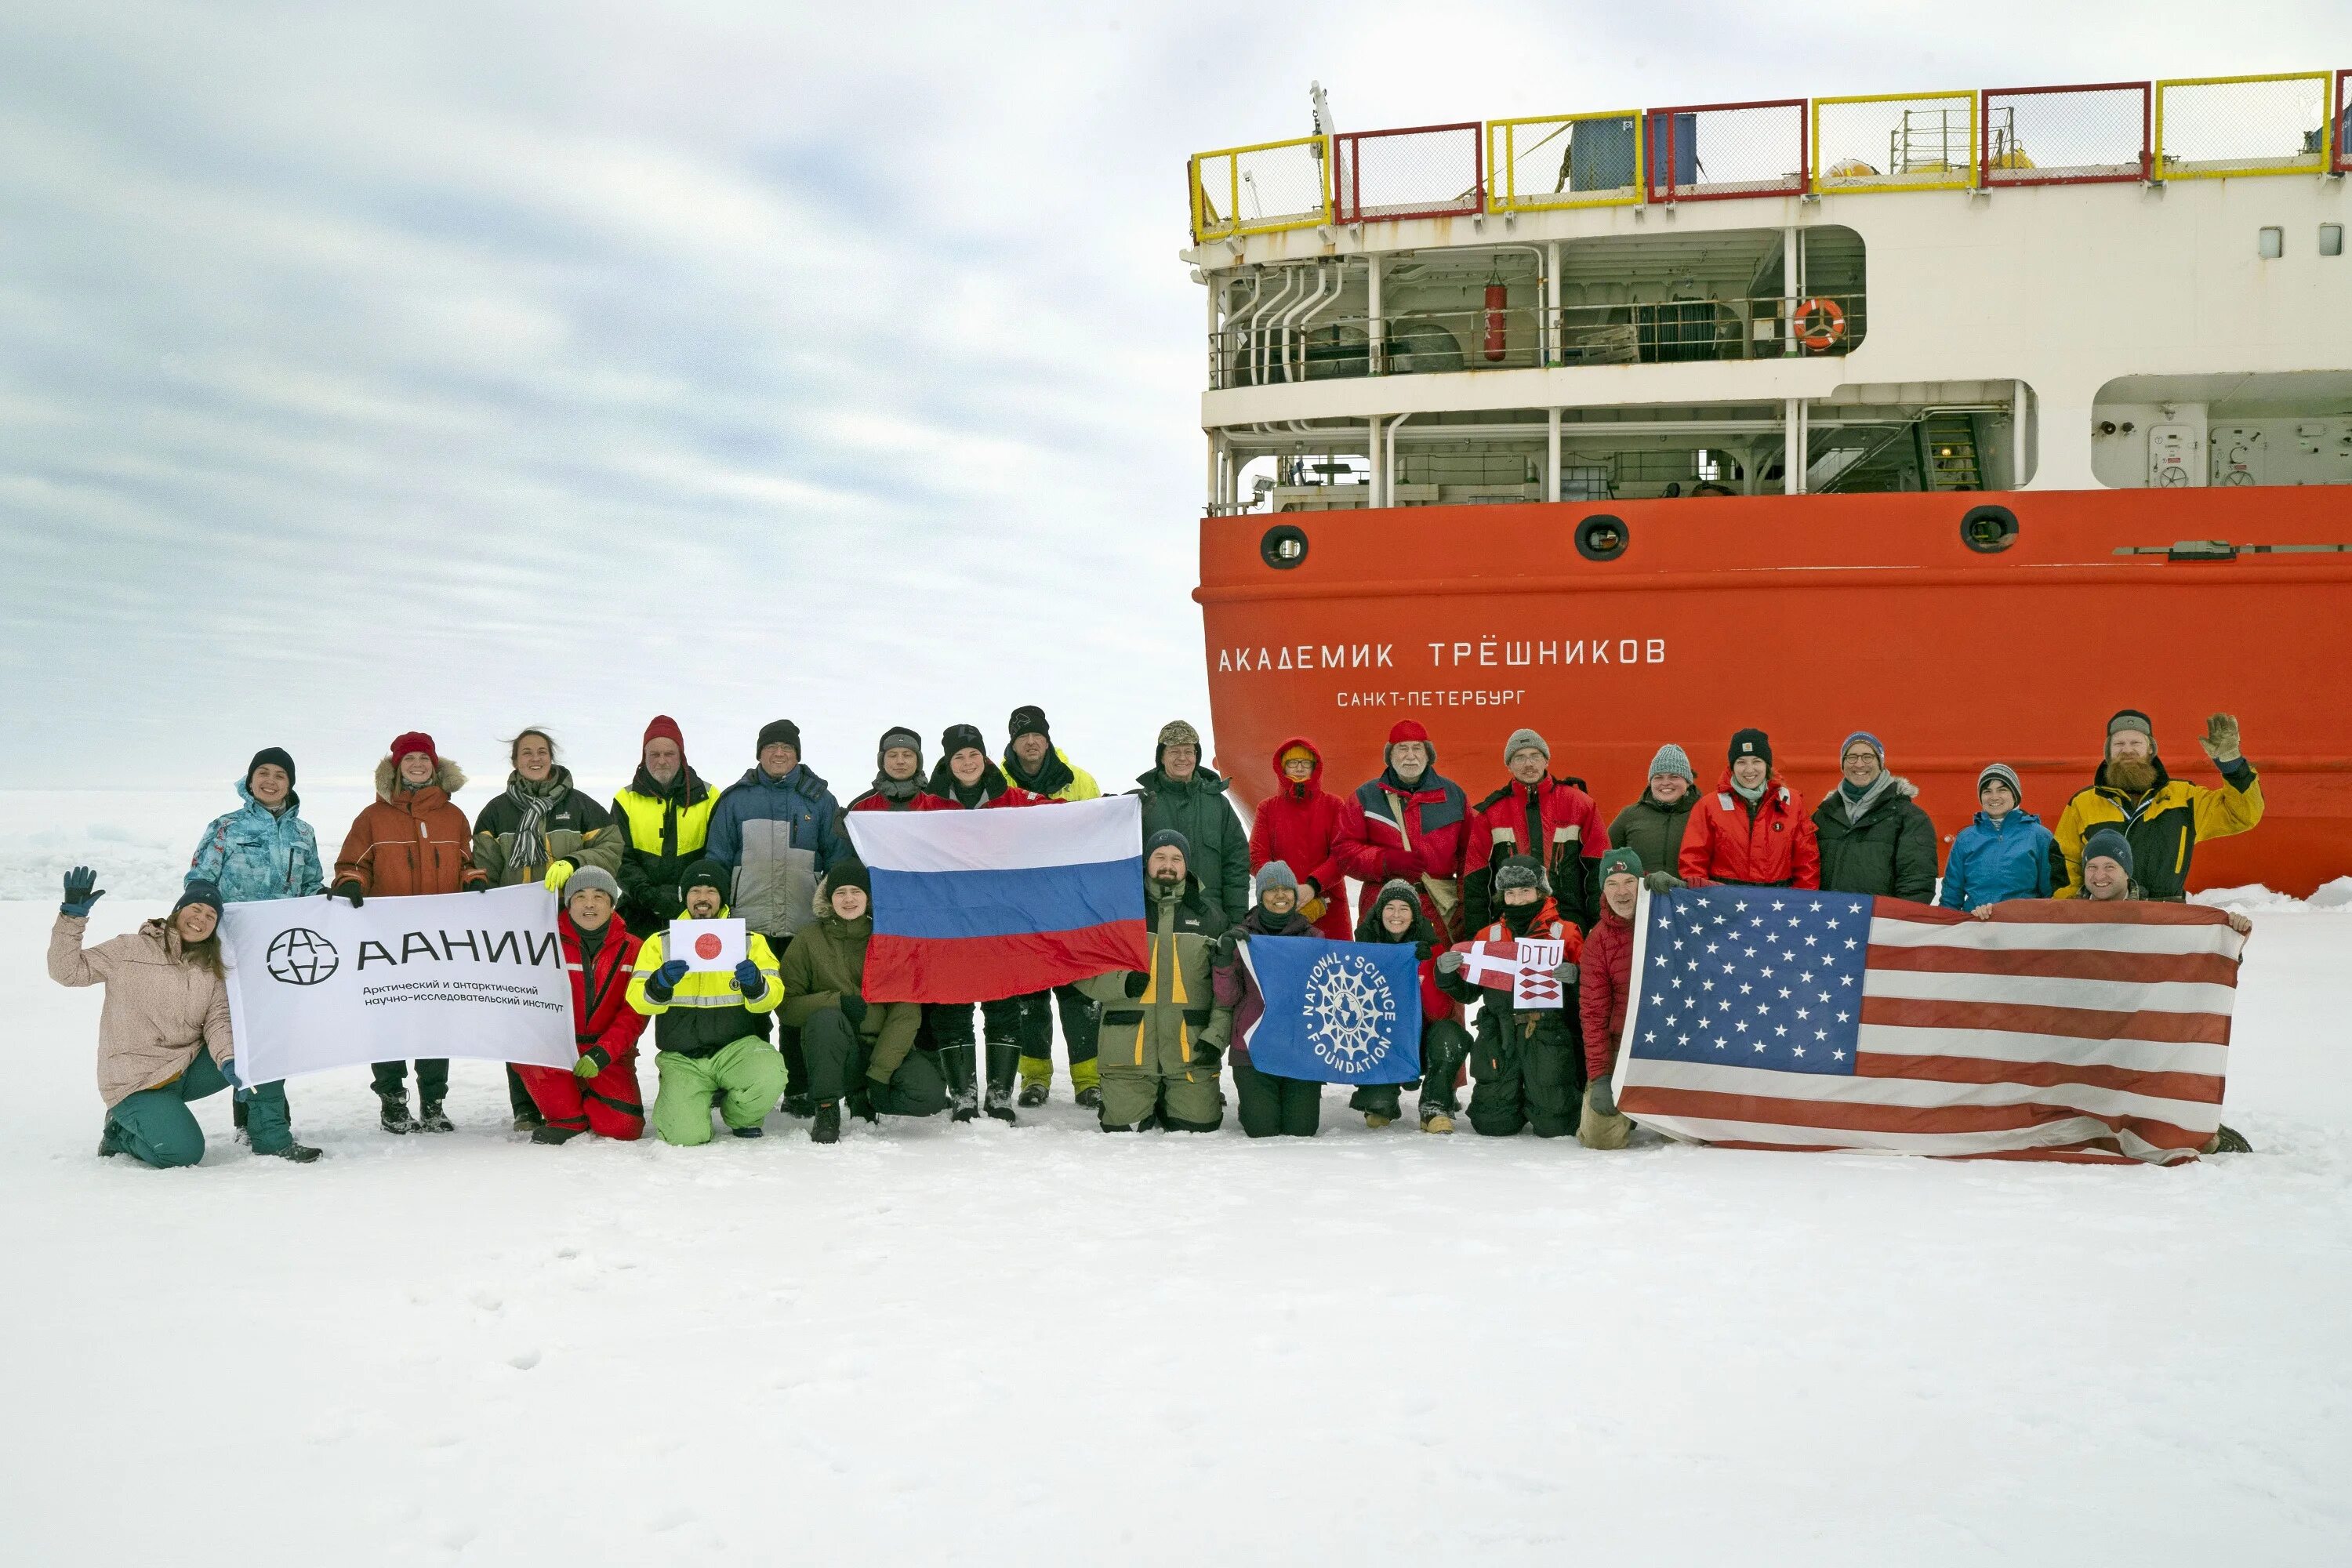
x=1524 y=968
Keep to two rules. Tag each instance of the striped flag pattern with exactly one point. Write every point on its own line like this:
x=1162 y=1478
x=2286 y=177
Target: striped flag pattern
x=1780 y=1018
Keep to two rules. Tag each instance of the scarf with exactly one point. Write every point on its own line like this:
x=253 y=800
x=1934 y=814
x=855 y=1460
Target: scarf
x=1750 y=795
x=898 y=790
x=1858 y=801
x=591 y=942
x=1053 y=775
x=535 y=801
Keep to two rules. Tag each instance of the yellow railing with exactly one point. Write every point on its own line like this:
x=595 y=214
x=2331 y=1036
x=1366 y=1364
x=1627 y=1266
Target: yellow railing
x=2224 y=127
x=1924 y=141
x=1538 y=142
x=1262 y=188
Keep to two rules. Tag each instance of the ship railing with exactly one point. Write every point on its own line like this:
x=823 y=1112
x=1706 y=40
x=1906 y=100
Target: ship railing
x=1524 y=337
x=2294 y=122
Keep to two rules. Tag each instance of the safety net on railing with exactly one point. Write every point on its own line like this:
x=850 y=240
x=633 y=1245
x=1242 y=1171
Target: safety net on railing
x=2223 y=127
x=2067 y=135
x=1713 y=150
x=1895 y=142
x=1565 y=160
x=1428 y=171
x=2343 y=122
x=1257 y=190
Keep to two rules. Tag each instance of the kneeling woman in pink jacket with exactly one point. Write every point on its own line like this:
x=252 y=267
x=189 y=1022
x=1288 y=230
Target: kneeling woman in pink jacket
x=163 y=1033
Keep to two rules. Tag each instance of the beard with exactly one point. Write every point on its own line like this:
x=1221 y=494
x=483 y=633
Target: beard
x=2133 y=775
x=1167 y=886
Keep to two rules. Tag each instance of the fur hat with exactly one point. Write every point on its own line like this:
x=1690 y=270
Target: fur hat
x=1521 y=871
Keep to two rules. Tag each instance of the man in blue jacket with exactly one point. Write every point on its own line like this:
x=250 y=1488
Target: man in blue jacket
x=775 y=829
x=263 y=849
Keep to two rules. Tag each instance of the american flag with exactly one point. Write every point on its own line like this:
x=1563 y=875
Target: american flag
x=1778 y=1018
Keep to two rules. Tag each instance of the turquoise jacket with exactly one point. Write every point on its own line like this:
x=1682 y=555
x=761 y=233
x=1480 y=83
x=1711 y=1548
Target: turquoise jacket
x=1994 y=861
x=253 y=854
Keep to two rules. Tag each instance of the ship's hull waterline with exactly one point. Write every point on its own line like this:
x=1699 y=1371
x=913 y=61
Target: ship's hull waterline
x=1811 y=617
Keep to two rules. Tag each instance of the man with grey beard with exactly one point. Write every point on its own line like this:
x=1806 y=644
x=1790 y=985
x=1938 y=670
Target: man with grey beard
x=2162 y=818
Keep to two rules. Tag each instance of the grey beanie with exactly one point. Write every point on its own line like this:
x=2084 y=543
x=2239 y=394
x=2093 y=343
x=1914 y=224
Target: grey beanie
x=2106 y=844
x=591 y=878
x=2007 y=776
x=1274 y=874
x=1671 y=760
x=1523 y=740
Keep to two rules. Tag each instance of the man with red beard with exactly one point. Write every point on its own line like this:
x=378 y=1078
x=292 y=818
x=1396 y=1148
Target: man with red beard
x=2161 y=817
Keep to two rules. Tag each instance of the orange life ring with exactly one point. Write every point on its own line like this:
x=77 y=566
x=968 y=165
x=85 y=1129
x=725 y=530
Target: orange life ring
x=1831 y=329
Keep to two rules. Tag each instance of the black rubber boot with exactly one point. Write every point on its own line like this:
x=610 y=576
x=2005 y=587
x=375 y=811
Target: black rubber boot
x=963 y=1094
x=301 y=1153
x=431 y=1118
x=550 y=1133
x=826 y=1128
x=395 y=1117
x=1003 y=1066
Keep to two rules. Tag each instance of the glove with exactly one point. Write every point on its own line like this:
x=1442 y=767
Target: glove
x=1662 y=883
x=1137 y=983
x=1228 y=945
x=558 y=873
x=1449 y=962
x=2221 y=737
x=854 y=1008
x=591 y=1061
x=1206 y=1054
x=1598 y=1100
x=748 y=979
x=1566 y=973
x=668 y=896
x=481 y=887
x=348 y=890
x=81 y=891
x=662 y=985
x=1406 y=863
x=1313 y=909
x=228 y=1071
x=860 y=1104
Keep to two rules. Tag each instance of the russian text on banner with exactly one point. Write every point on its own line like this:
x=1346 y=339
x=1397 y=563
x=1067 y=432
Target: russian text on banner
x=1780 y=1018
x=1334 y=1012
x=973 y=906
x=314 y=984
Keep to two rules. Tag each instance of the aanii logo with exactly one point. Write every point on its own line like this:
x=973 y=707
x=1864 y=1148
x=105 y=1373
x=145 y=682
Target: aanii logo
x=301 y=956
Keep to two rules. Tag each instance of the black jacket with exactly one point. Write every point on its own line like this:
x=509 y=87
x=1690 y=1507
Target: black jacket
x=1891 y=852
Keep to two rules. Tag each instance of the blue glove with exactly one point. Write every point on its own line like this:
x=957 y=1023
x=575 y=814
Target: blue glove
x=228 y=1071
x=81 y=891
x=748 y=979
x=662 y=982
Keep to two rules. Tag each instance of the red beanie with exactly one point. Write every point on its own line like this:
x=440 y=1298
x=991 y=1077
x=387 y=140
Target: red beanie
x=414 y=741
x=1408 y=730
x=662 y=728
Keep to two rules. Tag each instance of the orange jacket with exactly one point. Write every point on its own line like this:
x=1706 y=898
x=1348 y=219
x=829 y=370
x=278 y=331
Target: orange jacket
x=1776 y=847
x=410 y=840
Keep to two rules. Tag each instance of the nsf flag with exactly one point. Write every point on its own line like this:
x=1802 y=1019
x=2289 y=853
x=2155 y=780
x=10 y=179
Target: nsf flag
x=1336 y=1011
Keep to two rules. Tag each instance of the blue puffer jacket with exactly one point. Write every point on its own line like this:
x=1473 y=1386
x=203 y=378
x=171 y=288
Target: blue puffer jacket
x=253 y=854
x=1992 y=861
x=779 y=836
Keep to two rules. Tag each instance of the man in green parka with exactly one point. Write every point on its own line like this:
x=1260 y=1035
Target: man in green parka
x=1182 y=794
x=1161 y=1030
x=859 y=1051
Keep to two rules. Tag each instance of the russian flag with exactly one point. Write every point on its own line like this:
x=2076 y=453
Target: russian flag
x=973 y=906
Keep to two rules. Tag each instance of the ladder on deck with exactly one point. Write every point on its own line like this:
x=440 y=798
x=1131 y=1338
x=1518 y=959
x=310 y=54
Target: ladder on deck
x=1947 y=453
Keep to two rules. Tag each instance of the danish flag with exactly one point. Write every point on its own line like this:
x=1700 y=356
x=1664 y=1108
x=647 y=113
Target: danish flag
x=1523 y=967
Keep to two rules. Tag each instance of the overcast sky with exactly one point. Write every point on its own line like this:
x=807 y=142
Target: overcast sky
x=369 y=367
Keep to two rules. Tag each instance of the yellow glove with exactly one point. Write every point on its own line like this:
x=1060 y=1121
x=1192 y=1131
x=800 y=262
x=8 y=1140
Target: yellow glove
x=558 y=873
x=1313 y=910
x=586 y=1068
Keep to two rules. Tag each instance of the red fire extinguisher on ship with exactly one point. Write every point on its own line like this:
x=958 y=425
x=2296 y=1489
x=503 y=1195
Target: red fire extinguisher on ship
x=1497 y=296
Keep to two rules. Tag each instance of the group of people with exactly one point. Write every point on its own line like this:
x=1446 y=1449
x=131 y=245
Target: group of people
x=791 y=1029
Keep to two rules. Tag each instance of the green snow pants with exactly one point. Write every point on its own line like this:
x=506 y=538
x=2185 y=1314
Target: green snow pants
x=838 y=1057
x=155 y=1127
x=1276 y=1107
x=1135 y=1097
x=745 y=1076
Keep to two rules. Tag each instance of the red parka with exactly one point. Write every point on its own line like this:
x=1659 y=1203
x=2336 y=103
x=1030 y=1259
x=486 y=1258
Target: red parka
x=1299 y=826
x=921 y=800
x=1552 y=821
x=1774 y=847
x=1419 y=832
x=1603 y=976
x=604 y=1026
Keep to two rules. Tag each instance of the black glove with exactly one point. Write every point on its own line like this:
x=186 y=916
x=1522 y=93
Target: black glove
x=81 y=891
x=481 y=887
x=1228 y=945
x=860 y=1104
x=1596 y=1098
x=1206 y=1054
x=1662 y=881
x=1137 y=983
x=853 y=1008
x=348 y=890
x=668 y=897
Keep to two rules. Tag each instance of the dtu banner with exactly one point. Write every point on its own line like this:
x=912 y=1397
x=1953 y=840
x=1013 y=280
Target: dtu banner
x=314 y=984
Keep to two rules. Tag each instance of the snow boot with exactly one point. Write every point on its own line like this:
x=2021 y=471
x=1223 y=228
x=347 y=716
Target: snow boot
x=299 y=1153
x=2228 y=1141
x=431 y=1118
x=826 y=1128
x=1436 y=1120
x=755 y=1131
x=1033 y=1095
x=963 y=1093
x=529 y=1120
x=1376 y=1119
x=395 y=1117
x=800 y=1105
x=1090 y=1096
x=236 y=1115
x=110 y=1142
x=1003 y=1066
x=548 y=1132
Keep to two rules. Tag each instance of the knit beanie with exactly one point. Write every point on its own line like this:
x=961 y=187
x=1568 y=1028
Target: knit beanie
x=1671 y=759
x=1626 y=859
x=200 y=892
x=958 y=736
x=2007 y=776
x=1168 y=838
x=1407 y=729
x=662 y=728
x=703 y=874
x=1521 y=871
x=2108 y=845
x=1867 y=738
x=1274 y=874
x=1396 y=889
x=269 y=754
x=1028 y=719
x=848 y=873
x=783 y=729
x=899 y=735
x=591 y=879
x=414 y=741
x=2132 y=719
x=1751 y=743
x=1523 y=740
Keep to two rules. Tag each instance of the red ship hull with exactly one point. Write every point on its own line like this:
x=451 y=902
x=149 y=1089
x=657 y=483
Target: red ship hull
x=1811 y=617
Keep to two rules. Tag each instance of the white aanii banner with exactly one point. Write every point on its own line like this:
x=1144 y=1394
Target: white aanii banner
x=314 y=984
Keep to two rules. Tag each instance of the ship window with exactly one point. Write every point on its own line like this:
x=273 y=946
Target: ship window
x=2270 y=244
x=2331 y=239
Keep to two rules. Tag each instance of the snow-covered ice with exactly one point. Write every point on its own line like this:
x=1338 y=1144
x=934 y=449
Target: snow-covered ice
x=1041 y=1345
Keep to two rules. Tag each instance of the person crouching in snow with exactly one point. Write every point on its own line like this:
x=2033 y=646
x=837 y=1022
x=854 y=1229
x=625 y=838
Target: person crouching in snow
x=2005 y=853
x=1162 y=1027
x=163 y=1033
x=1270 y=1105
x=1526 y=1069
x=710 y=1041
x=860 y=1053
x=1604 y=985
x=1398 y=912
x=599 y=1093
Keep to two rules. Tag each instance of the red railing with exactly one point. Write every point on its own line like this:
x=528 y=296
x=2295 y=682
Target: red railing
x=2343 y=163
x=1715 y=152
x=1421 y=171
x=2081 y=136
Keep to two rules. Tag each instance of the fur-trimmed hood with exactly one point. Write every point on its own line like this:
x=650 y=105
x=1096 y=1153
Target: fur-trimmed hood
x=450 y=778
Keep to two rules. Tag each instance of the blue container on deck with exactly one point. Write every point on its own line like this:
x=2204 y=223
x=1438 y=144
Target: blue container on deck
x=1601 y=154
x=1686 y=149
